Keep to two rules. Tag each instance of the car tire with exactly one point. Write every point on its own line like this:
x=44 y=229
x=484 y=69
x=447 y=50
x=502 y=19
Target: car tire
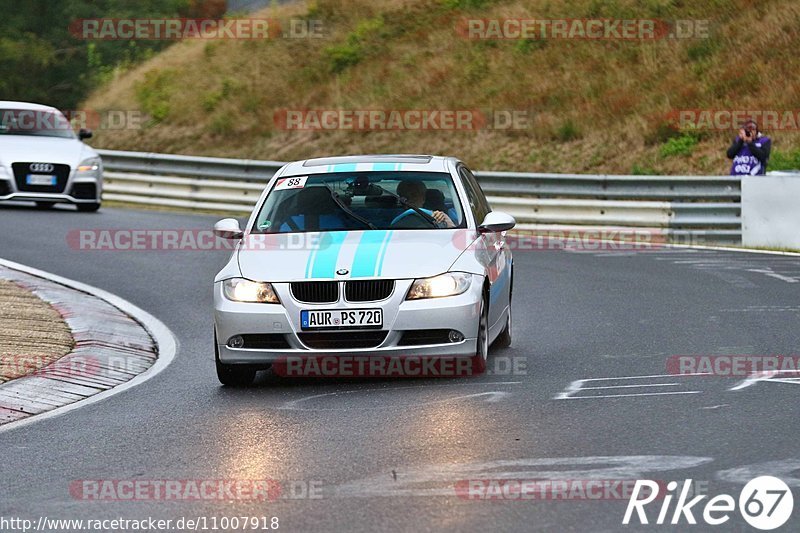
x=235 y=375
x=232 y=375
x=45 y=205
x=504 y=339
x=88 y=208
x=478 y=360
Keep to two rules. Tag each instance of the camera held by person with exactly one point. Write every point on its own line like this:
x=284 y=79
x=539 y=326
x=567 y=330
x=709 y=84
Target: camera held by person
x=749 y=151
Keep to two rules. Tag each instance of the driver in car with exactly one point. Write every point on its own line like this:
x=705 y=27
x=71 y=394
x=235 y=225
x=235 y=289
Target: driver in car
x=414 y=192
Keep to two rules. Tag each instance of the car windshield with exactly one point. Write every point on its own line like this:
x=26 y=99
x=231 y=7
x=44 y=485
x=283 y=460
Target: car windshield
x=40 y=123
x=361 y=201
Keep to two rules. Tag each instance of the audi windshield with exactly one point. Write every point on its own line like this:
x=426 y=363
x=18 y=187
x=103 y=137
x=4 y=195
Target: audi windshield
x=34 y=122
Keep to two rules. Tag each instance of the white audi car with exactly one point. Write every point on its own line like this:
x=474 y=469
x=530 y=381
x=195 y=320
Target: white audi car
x=373 y=257
x=44 y=161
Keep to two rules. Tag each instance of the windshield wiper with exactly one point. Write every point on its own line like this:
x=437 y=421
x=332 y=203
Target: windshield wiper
x=338 y=201
x=405 y=203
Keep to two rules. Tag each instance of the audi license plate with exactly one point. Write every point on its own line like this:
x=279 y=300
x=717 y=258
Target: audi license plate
x=41 y=179
x=342 y=318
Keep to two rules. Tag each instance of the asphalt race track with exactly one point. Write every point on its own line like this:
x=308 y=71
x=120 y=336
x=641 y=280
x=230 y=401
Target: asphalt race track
x=385 y=455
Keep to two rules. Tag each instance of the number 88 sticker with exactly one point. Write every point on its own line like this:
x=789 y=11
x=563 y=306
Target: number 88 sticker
x=291 y=183
x=766 y=502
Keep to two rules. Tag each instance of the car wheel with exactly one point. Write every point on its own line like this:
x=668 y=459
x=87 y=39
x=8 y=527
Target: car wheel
x=504 y=339
x=482 y=353
x=88 y=208
x=235 y=375
x=232 y=375
x=45 y=205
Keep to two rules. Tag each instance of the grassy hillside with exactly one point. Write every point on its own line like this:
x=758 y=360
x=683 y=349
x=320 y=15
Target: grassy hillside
x=596 y=105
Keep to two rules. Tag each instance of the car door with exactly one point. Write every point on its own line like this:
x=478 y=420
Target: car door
x=498 y=265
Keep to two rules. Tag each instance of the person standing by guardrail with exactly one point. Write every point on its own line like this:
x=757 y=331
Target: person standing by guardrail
x=749 y=151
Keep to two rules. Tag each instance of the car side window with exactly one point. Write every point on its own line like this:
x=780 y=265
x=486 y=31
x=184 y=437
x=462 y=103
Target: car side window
x=477 y=200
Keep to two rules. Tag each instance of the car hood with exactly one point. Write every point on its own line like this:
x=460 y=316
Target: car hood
x=391 y=254
x=32 y=149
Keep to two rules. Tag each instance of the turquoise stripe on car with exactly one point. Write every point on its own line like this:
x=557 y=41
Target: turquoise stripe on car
x=342 y=167
x=366 y=258
x=310 y=263
x=384 y=247
x=385 y=166
x=323 y=260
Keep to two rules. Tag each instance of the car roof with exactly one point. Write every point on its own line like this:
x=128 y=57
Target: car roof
x=366 y=163
x=26 y=106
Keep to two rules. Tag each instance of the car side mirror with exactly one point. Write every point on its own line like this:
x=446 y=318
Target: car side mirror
x=228 y=228
x=84 y=134
x=497 y=221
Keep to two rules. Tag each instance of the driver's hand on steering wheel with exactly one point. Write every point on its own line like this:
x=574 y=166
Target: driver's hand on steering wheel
x=441 y=217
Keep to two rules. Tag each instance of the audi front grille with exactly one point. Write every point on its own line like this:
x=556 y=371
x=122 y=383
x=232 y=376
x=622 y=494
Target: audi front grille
x=21 y=171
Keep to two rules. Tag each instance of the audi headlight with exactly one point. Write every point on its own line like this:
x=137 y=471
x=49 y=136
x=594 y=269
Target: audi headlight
x=89 y=166
x=244 y=290
x=449 y=284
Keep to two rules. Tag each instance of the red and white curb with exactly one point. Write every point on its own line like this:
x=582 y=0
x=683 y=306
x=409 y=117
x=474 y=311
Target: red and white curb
x=117 y=346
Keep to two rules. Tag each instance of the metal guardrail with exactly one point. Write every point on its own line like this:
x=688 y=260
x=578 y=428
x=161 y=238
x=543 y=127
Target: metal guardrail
x=681 y=207
x=187 y=165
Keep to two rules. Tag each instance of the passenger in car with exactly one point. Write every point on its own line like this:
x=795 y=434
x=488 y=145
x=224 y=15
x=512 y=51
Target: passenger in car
x=316 y=211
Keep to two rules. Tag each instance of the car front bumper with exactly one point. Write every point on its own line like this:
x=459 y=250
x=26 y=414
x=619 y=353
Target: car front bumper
x=459 y=313
x=74 y=192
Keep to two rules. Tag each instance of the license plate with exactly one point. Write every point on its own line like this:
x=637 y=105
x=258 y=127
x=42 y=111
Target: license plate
x=342 y=318
x=41 y=179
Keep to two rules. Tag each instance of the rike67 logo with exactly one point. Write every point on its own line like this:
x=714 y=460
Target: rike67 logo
x=765 y=503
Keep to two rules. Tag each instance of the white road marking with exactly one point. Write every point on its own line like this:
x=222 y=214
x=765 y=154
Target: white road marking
x=757 y=265
x=785 y=469
x=765 y=308
x=767 y=376
x=629 y=395
x=772 y=274
x=442 y=479
x=577 y=386
x=491 y=397
x=632 y=386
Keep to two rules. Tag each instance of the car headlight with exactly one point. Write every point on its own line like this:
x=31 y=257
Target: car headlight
x=244 y=290
x=449 y=284
x=89 y=166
